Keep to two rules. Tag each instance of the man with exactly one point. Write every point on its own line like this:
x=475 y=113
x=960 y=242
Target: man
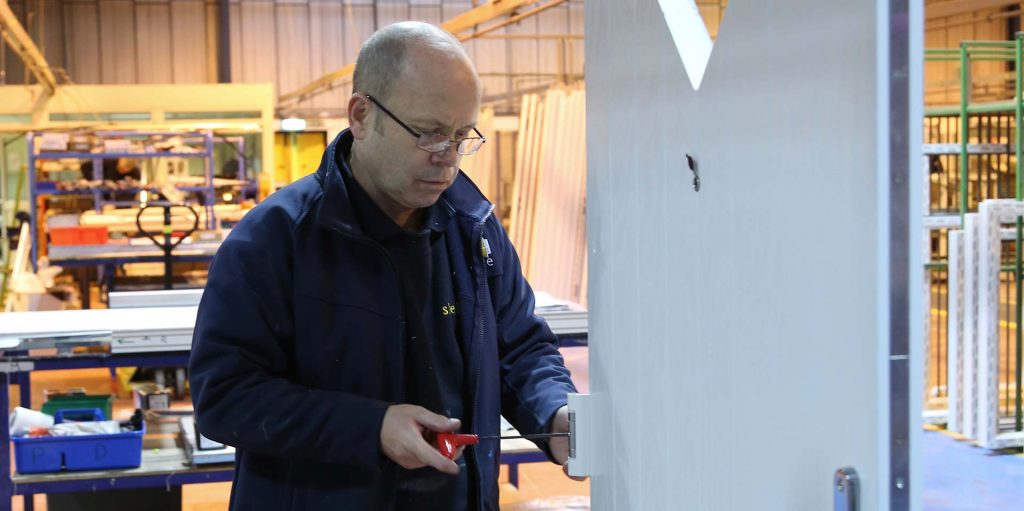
x=115 y=170
x=353 y=315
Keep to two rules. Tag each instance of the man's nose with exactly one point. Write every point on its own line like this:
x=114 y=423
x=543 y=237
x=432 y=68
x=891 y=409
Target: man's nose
x=448 y=158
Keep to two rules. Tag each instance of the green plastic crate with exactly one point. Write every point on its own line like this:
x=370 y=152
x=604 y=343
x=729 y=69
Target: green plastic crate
x=104 y=402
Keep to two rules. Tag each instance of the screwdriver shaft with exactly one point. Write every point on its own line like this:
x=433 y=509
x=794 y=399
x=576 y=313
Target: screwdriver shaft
x=539 y=436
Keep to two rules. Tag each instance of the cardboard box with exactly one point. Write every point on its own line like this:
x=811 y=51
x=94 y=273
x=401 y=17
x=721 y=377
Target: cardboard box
x=150 y=396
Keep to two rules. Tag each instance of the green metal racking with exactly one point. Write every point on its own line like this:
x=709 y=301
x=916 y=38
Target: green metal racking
x=1011 y=52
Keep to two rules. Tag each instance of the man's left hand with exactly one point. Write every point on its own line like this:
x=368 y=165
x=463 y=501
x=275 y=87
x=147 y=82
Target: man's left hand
x=560 y=445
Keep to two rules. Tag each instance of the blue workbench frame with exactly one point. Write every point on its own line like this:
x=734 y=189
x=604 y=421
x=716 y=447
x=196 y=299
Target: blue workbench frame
x=12 y=373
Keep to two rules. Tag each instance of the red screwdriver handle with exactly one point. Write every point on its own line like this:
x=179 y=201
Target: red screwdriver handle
x=448 y=443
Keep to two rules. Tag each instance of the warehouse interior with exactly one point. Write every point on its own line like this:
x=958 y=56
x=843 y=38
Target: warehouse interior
x=135 y=135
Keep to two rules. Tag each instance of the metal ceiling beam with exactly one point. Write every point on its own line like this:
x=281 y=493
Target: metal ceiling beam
x=514 y=19
x=483 y=14
x=21 y=43
x=466 y=21
x=954 y=7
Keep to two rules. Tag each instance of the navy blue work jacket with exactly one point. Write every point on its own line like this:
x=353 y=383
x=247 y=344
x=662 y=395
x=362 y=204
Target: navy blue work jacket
x=298 y=348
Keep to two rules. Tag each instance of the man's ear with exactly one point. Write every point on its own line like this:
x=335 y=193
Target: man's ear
x=358 y=115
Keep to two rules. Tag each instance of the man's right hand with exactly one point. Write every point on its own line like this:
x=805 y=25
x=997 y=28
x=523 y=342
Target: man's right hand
x=403 y=437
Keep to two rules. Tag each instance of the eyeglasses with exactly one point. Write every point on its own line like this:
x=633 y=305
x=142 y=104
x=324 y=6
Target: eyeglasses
x=436 y=142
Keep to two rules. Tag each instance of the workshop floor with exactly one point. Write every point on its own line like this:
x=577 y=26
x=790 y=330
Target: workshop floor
x=542 y=486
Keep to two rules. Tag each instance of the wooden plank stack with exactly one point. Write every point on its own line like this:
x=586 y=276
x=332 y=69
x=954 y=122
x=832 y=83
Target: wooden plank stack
x=482 y=167
x=548 y=224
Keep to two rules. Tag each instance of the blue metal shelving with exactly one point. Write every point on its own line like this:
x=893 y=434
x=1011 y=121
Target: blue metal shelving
x=208 y=189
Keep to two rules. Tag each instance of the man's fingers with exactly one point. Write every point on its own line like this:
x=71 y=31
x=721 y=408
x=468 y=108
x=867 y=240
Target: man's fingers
x=432 y=457
x=436 y=422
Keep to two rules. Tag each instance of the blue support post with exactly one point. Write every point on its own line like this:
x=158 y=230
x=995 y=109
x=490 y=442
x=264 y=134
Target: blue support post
x=30 y=140
x=243 y=172
x=97 y=193
x=211 y=190
x=5 y=447
x=24 y=381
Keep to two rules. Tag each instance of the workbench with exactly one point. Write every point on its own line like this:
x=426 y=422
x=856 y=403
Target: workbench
x=160 y=336
x=163 y=468
x=164 y=462
x=76 y=255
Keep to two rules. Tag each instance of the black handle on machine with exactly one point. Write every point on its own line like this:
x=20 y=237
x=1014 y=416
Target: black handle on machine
x=166 y=245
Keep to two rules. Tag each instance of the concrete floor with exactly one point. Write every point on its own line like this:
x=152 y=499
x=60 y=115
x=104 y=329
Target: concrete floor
x=959 y=476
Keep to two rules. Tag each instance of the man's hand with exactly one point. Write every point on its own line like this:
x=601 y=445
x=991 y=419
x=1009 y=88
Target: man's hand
x=403 y=437
x=560 y=445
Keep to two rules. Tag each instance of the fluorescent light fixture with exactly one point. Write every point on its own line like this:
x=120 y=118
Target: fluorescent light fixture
x=293 y=124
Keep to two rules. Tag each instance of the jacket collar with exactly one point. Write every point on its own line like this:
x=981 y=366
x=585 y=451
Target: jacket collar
x=463 y=198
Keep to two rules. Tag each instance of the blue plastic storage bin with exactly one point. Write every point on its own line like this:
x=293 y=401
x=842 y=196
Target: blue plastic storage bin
x=85 y=452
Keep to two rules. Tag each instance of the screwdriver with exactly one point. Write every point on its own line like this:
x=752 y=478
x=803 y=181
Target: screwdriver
x=448 y=443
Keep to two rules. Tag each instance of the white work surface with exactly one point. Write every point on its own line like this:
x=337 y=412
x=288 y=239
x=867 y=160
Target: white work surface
x=156 y=329
x=58 y=253
x=133 y=330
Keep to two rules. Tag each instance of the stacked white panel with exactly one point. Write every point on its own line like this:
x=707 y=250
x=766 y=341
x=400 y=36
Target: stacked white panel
x=954 y=329
x=969 y=403
x=993 y=213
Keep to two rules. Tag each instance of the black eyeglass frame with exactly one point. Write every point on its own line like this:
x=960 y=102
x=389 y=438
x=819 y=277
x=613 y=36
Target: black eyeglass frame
x=423 y=139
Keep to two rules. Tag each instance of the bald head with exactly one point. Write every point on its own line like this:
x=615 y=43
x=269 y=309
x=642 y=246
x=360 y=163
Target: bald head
x=431 y=89
x=390 y=53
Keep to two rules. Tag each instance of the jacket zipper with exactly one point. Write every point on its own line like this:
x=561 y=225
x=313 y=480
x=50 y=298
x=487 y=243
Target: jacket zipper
x=401 y=314
x=481 y=271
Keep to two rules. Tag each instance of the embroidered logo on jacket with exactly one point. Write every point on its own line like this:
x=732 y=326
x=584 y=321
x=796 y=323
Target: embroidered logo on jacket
x=485 y=248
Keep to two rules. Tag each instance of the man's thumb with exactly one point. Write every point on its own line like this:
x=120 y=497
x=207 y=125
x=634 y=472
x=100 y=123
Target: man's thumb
x=437 y=422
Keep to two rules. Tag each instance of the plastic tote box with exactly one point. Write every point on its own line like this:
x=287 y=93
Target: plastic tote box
x=85 y=452
x=56 y=403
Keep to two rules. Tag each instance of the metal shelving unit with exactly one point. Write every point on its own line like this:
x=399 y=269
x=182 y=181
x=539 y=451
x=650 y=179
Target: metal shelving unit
x=974 y=153
x=97 y=193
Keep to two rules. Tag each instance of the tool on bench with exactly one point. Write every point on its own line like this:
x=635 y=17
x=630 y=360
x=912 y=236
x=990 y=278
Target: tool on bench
x=448 y=443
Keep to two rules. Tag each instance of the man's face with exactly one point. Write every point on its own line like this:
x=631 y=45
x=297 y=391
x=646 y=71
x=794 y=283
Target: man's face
x=124 y=165
x=430 y=97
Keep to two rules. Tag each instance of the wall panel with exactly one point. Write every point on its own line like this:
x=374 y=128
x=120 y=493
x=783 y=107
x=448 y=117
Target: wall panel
x=83 y=41
x=118 y=54
x=292 y=22
x=327 y=48
x=52 y=41
x=285 y=42
x=15 y=70
x=156 y=50
x=189 y=33
x=391 y=12
x=258 y=46
x=425 y=10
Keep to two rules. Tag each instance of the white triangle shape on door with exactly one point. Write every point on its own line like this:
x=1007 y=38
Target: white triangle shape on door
x=690 y=35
